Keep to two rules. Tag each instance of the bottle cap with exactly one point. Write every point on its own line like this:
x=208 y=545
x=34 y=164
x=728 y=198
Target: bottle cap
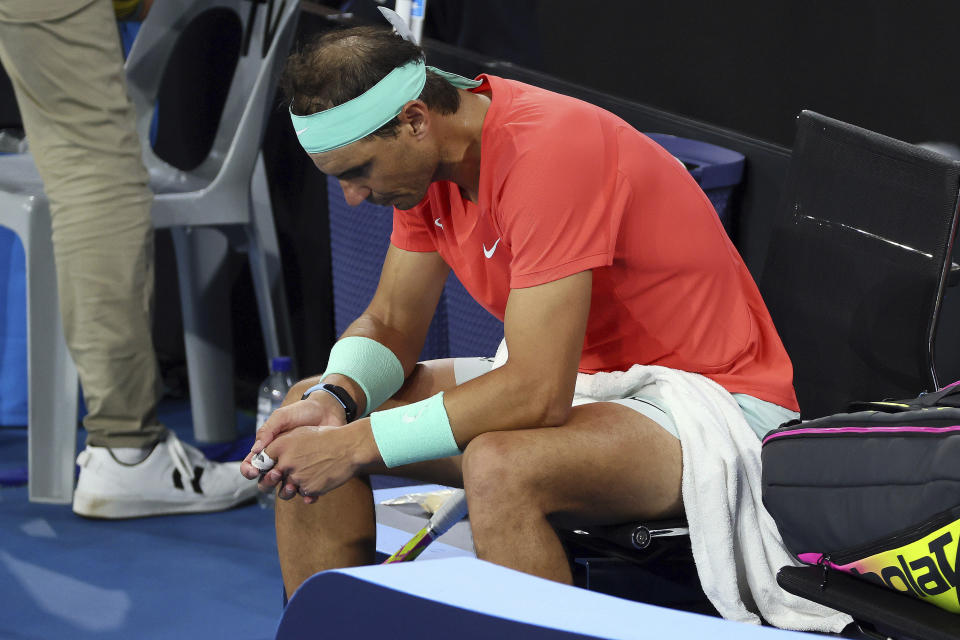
x=280 y=363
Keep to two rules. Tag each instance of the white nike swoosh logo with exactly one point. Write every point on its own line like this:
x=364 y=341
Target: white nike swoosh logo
x=302 y=130
x=438 y=223
x=406 y=418
x=489 y=252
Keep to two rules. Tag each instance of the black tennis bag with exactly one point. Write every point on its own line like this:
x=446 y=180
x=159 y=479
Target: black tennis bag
x=874 y=492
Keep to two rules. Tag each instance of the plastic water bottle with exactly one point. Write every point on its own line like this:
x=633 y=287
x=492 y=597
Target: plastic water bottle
x=272 y=392
x=274 y=389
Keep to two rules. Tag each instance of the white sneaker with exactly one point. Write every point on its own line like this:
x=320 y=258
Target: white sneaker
x=173 y=478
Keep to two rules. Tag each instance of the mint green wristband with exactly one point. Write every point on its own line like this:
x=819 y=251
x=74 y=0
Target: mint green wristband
x=371 y=365
x=414 y=433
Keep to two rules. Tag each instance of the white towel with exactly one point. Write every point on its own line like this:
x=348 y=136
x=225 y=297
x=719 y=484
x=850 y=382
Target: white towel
x=736 y=545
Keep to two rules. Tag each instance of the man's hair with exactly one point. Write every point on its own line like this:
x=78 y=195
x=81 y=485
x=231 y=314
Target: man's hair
x=342 y=64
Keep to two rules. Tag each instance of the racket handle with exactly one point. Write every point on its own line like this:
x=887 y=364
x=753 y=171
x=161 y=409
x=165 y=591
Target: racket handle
x=420 y=541
x=450 y=513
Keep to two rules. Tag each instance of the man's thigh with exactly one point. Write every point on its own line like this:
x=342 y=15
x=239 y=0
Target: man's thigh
x=607 y=464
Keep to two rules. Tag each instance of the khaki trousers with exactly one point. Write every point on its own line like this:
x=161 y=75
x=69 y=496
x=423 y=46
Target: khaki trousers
x=67 y=73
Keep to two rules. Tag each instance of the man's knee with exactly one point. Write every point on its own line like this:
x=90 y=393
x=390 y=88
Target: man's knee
x=494 y=470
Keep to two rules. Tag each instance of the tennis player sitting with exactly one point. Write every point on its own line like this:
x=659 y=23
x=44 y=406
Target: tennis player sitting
x=598 y=251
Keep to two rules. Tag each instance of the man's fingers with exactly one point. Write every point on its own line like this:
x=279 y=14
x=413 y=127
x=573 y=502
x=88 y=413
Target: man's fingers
x=270 y=480
x=288 y=491
x=279 y=421
x=247 y=470
x=284 y=419
x=256 y=464
x=267 y=432
x=289 y=464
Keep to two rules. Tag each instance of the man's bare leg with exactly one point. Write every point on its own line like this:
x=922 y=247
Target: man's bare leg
x=339 y=530
x=608 y=464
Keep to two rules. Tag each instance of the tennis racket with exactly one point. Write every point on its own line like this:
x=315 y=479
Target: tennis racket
x=450 y=513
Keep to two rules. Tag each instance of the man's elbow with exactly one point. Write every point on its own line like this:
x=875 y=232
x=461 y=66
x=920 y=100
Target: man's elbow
x=556 y=414
x=552 y=404
x=540 y=400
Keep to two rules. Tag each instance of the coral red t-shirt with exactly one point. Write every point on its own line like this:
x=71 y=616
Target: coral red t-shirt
x=565 y=187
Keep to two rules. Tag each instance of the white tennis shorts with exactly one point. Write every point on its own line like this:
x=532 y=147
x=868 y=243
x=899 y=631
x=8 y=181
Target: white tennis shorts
x=762 y=416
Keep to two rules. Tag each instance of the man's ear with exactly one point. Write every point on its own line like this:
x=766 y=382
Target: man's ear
x=415 y=118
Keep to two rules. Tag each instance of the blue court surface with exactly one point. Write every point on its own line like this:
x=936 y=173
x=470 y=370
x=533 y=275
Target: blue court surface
x=194 y=576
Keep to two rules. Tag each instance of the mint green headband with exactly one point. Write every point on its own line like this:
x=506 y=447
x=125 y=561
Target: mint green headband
x=356 y=119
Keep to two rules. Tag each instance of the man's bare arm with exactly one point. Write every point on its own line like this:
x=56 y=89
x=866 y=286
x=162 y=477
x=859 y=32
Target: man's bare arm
x=545 y=327
x=399 y=315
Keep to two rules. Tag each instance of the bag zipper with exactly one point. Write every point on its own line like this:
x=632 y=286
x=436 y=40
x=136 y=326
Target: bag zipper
x=898 y=539
x=824 y=562
x=859 y=428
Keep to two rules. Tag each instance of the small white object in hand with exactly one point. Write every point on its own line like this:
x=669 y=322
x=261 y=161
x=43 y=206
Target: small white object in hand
x=262 y=461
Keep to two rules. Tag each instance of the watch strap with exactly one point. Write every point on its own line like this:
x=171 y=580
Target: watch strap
x=340 y=394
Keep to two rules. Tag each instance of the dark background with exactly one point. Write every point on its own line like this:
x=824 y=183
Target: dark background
x=752 y=66
x=745 y=66
x=748 y=66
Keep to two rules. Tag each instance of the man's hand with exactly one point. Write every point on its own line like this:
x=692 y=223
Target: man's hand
x=318 y=409
x=314 y=460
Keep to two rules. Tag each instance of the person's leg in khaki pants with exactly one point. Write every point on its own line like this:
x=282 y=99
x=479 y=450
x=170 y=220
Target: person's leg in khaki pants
x=67 y=74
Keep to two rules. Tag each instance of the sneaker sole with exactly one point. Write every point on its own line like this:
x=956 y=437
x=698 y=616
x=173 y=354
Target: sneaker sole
x=110 y=508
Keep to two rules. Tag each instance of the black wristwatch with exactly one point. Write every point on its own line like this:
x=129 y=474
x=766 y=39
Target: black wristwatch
x=348 y=404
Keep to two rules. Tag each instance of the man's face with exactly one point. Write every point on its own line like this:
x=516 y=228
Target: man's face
x=384 y=171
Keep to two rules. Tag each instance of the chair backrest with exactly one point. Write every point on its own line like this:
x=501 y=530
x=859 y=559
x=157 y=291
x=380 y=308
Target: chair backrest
x=857 y=266
x=268 y=29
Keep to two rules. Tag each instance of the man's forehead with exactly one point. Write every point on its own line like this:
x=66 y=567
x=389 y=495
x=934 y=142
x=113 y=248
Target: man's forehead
x=338 y=161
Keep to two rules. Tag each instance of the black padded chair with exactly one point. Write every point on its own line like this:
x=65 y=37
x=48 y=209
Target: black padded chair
x=855 y=275
x=859 y=263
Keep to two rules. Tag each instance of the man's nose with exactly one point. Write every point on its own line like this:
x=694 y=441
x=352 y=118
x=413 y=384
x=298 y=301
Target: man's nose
x=354 y=194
